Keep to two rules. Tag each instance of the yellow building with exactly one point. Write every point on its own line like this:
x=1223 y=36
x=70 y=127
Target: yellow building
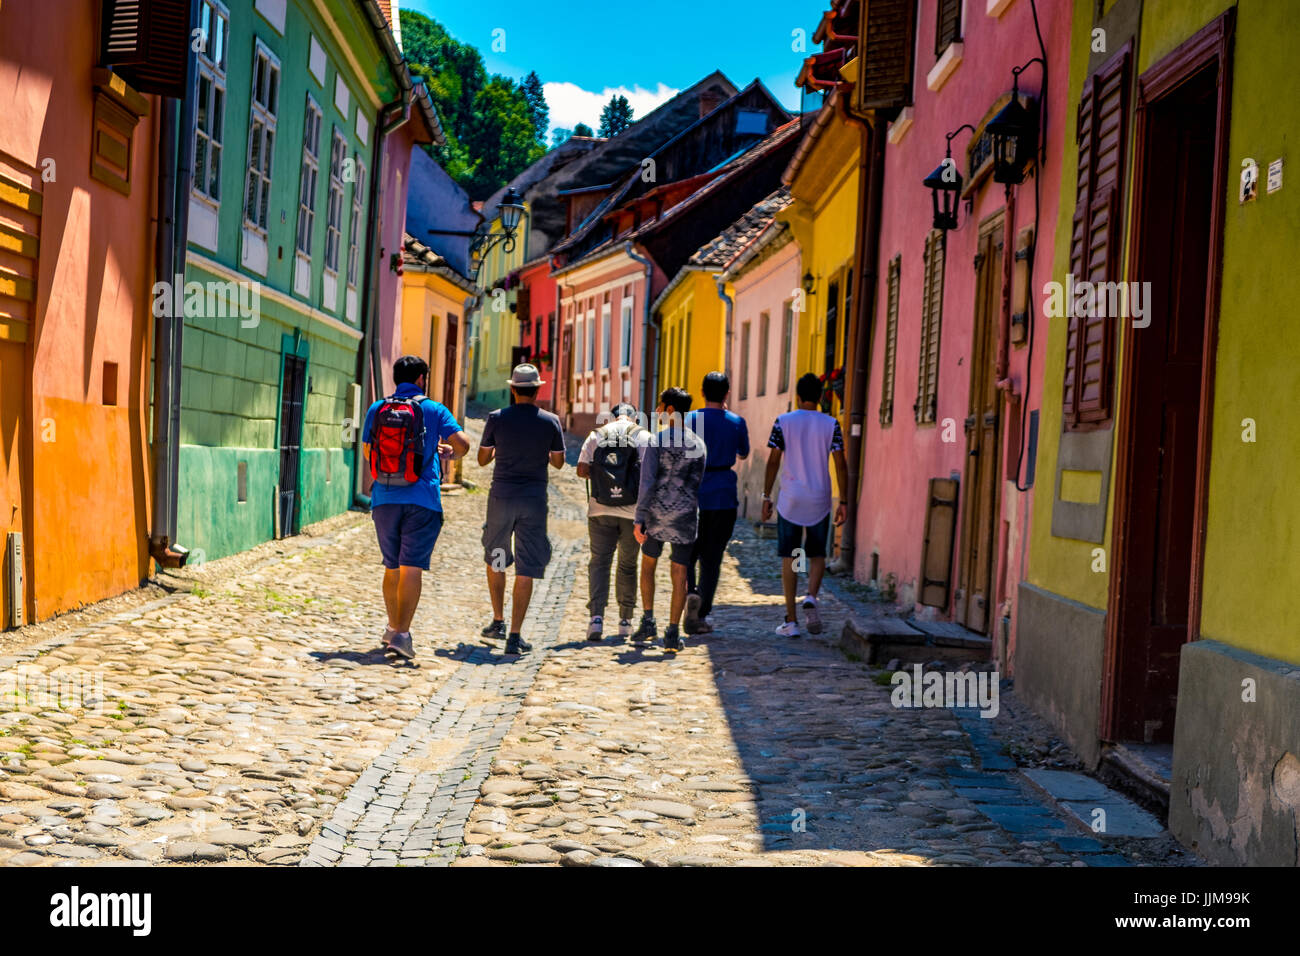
x=692 y=329
x=496 y=327
x=435 y=302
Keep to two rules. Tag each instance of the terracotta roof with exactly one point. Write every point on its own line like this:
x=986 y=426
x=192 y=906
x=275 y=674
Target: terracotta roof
x=417 y=254
x=733 y=241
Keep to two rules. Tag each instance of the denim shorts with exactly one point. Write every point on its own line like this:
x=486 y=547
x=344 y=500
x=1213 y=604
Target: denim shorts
x=681 y=553
x=812 y=538
x=407 y=534
x=515 y=533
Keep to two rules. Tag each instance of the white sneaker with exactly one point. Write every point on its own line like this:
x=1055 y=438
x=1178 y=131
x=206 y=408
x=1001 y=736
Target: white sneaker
x=596 y=629
x=789 y=629
x=624 y=628
x=810 y=613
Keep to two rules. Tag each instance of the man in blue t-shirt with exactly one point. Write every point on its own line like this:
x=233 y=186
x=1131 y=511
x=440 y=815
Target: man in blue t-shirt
x=408 y=518
x=727 y=438
x=524 y=440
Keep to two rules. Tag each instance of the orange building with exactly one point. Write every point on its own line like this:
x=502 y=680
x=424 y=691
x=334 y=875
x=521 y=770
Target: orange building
x=78 y=195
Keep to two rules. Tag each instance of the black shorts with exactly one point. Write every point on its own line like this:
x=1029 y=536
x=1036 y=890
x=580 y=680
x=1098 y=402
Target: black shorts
x=515 y=533
x=681 y=553
x=811 y=538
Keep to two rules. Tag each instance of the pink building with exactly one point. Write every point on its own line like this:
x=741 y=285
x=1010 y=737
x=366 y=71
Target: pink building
x=945 y=494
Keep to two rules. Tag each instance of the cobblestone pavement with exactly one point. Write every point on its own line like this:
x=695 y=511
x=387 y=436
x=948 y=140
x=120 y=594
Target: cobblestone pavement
x=252 y=720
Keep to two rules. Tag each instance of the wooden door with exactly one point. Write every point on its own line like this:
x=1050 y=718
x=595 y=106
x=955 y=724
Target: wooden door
x=292 y=391
x=983 y=433
x=449 y=366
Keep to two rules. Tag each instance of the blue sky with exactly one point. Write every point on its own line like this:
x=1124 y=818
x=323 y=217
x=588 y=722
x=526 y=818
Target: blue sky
x=648 y=51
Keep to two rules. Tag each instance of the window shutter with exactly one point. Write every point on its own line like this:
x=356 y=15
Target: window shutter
x=936 y=550
x=147 y=43
x=885 y=44
x=891 y=345
x=1095 y=242
x=927 y=378
x=948 y=25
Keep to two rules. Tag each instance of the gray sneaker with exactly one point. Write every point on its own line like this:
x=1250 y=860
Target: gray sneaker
x=402 y=645
x=692 y=620
x=387 y=638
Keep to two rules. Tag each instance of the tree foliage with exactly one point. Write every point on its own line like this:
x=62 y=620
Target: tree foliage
x=582 y=129
x=616 y=116
x=493 y=125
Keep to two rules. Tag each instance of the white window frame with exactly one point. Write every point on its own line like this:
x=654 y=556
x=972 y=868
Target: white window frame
x=212 y=69
x=308 y=185
x=354 y=227
x=334 y=210
x=606 y=330
x=262 y=113
x=591 y=335
x=627 y=332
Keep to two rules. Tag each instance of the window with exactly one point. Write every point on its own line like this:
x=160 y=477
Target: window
x=787 y=342
x=334 y=223
x=764 y=330
x=832 y=327
x=927 y=377
x=591 y=334
x=744 y=361
x=1095 y=241
x=261 y=137
x=626 y=338
x=358 y=190
x=947 y=25
x=310 y=171
x=890 y=359
x=606 y=323
x=581 y=339
x=211 y=101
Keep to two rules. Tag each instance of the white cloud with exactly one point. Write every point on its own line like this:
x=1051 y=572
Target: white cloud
x=570 y=104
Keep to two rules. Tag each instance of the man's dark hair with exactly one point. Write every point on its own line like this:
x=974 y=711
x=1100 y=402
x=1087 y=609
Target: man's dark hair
x=809 y=388
x=716 y=386
x=526 y=391
x=677 y=399
x=408 y=369
x=622 y=410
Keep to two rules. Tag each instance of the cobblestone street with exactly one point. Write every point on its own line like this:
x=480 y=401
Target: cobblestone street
x=253 y=720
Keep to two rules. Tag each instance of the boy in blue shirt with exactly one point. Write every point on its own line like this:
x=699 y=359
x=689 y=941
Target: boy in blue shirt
x=726 y=436
x=408 y=515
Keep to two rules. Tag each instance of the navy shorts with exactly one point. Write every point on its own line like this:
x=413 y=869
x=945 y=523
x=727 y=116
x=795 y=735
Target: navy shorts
x=811 y=538
x=681 y=553
x=515 y=533
x=406 y=534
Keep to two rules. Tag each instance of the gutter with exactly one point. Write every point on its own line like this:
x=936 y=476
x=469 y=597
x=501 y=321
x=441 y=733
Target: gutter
x=646 y=397
x=730 y=306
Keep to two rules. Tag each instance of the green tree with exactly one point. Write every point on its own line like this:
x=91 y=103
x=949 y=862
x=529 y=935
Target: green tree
x=582 y=129
x=559 y=135
x=500 y=137
x=537 y=108
x=616 y=116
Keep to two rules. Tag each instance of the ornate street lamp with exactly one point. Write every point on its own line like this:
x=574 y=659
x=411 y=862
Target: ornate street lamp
x=1014 y=132
x=809 y=283
x=483 y=239
x=945 y=186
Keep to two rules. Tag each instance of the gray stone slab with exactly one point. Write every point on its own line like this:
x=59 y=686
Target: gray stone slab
x=1124 y=818
x=1064 y=785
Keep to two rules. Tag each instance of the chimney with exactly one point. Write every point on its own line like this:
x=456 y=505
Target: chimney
x=709 y=100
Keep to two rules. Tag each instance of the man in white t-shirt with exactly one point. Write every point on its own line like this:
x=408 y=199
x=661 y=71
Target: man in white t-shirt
x=610 y=461
x=806 y=439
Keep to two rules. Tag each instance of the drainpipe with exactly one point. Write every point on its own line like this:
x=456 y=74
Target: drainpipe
x=1002 y=362
x=871 y=170
x=647 y=399
x=368 y=355
x=729 y=308
x=176 y=146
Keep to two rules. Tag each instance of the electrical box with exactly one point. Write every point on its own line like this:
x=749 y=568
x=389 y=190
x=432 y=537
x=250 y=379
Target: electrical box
x=13 y=578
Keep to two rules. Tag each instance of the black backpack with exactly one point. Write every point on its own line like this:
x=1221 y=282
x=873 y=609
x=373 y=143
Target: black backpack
x=616 y=467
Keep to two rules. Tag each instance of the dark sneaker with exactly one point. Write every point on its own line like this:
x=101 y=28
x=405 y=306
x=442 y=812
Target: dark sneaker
x=672 y=640
x=596 y=629
x=402 y=645
x=647 y=630
x=691 y=623
x=517 y=645
x=495 y=631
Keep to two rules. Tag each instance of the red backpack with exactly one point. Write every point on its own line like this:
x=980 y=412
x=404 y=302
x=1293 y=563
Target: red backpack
x=397 y=441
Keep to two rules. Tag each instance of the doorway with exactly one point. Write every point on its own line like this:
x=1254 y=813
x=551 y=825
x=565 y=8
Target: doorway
x=449 y=367
x=1167 y=387
x=983 y=440
x=291 y=403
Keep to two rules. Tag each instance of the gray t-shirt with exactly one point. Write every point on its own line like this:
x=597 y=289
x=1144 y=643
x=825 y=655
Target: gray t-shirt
x=524 y=437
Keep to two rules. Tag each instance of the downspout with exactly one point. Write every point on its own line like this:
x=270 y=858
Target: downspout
x=647 y=398
x=729 y=311
x=367 y=355
x=871 y=170
x=176 y=144
x=1002 y=363
x=552 y=349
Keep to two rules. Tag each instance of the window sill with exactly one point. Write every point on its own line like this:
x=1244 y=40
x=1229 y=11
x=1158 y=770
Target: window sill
x=995 y=8
x=899 y=127
x=945 y=68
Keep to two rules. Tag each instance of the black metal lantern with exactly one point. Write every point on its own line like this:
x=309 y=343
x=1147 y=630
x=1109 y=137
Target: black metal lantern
x=808 y=283
x=1014 y=135
x=945 y=186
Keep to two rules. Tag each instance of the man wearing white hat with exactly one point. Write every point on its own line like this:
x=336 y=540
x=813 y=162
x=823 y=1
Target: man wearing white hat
x=523 y=439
